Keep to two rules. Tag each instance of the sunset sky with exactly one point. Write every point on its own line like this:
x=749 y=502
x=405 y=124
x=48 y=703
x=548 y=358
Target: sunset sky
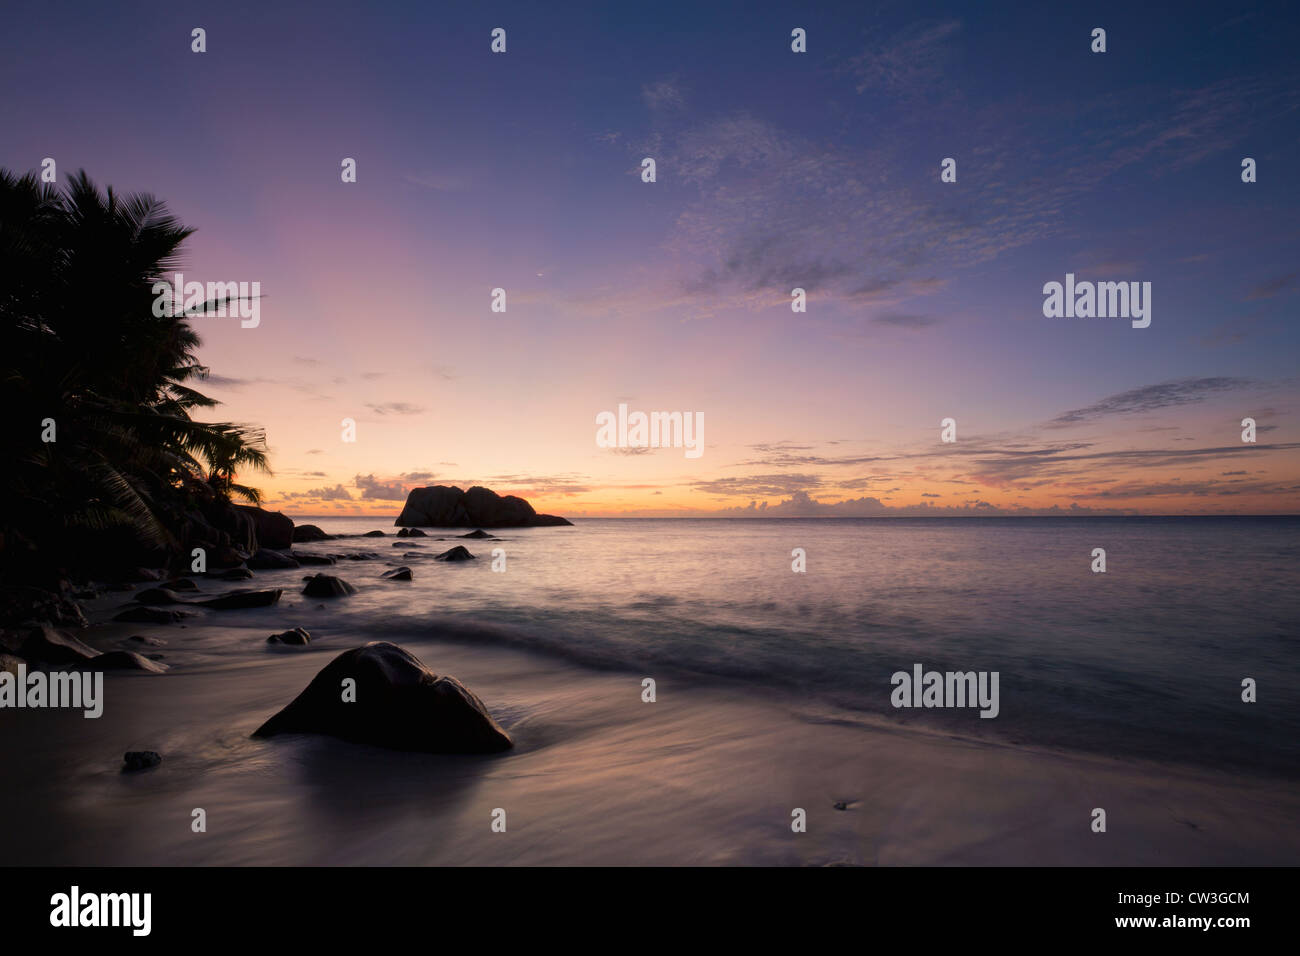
x=775 y=170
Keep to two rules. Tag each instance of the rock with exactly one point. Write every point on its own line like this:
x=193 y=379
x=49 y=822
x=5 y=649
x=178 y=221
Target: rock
x=373 y=534
x=274 y=529
x=404 y=533
x=400 y=704
x=233 y=574
x=45 y=644
x=181 y=584
x=148 y=641
x=150 y=615
x=446 y=506
x=408 y=544
x=397 y=574
x=297 y=636
x=159 y=596
x=227 y=558
x=458 y=553
x=414 y=533
x=326 y=585
x=480 y=533
x=123 y=661
x=362 y=556
x=303 y=558
x=308 y=532
x=265 y=559
x=140 y=759
x=25 y=604
x=143 y=574
x=235 y=600
x=414 y=554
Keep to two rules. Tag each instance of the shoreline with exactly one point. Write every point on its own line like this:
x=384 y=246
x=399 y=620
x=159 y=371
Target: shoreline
x=706 y=775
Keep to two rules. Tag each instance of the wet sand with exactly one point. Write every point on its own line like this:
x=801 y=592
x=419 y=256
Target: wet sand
x=703 y=776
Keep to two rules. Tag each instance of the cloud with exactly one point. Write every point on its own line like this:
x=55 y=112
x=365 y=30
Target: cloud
x=1274 y=286
x=907 y=62
x=395 y=408
x=905 y=320
x=759 y=484
x=373 y=488
x=336 y=493
x=1151 y=397
x=665 y=94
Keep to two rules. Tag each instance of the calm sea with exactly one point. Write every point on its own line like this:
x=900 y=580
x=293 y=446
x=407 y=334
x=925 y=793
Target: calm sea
x=1146 y=659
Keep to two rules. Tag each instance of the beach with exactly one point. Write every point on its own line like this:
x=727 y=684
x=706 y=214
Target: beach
x=709 y=773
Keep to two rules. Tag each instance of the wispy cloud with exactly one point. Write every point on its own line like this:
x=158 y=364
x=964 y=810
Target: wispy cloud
x=1151 y=397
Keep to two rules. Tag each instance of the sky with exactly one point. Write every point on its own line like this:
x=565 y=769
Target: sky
x=774 y=170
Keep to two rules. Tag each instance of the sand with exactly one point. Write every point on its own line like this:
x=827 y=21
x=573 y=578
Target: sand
x=705 y=775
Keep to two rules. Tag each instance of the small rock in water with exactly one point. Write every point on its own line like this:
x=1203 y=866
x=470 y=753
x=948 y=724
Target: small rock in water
x=458 y=553
x=303 y=558
x=141 y=760
x=326 y=585
x=181 y=584
x=480 y=534
x=236 y=600
x=158 y=596
x=45 y=643
x=150 y=615
x=122 y=661
x=398 y=574
x=149 y=641
x=265 y=560
x=374 y=534
x=297 y=637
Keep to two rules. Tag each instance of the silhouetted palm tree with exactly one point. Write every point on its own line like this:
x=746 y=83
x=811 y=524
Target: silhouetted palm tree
x=81 y=347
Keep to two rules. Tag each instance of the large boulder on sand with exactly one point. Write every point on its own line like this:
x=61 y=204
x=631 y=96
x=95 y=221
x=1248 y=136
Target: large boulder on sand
x=399 y=704
x=274 y=529
x=445 y=506
x=308 y=532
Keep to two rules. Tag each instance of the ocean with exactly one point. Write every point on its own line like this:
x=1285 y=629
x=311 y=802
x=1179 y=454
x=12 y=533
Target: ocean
x=1146 y=659
x=1118 y=691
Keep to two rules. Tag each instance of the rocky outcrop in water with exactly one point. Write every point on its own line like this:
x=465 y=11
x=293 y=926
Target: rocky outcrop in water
x=446 y=506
